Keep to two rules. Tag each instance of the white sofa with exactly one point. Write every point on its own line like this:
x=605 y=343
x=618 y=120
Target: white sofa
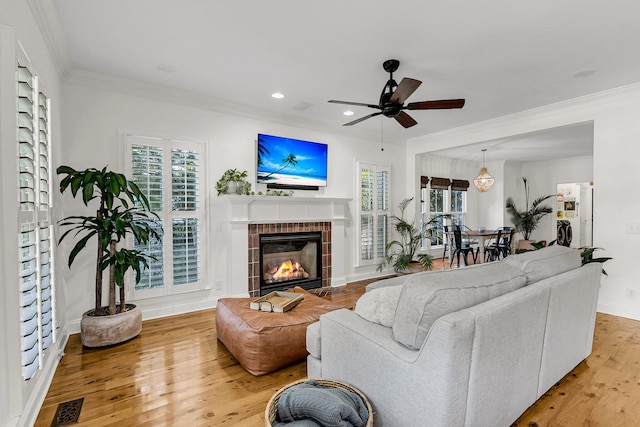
x=469 y=347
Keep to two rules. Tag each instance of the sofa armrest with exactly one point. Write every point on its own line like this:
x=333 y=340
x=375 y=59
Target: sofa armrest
x=397 y=380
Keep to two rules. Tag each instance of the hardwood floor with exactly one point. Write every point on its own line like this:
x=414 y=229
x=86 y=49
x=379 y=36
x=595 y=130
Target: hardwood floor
x=176 y=373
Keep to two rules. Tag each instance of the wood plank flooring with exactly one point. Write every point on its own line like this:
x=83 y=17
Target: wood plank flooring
x=176 y=373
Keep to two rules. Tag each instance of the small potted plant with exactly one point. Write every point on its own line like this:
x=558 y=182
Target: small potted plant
x=403 y=256
x=233 y=181
x=527 y=220
x=122 y=210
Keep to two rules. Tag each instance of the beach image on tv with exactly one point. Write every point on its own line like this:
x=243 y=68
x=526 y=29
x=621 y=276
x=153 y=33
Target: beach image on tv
x=286 y=161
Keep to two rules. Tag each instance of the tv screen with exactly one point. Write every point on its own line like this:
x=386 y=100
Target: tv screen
x=291 y=163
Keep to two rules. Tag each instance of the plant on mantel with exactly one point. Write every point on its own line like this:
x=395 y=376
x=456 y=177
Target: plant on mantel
x=233 y=181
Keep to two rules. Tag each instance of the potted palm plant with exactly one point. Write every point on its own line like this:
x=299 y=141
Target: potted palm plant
x=122 y=210
x=401 y=253
x=525 y=221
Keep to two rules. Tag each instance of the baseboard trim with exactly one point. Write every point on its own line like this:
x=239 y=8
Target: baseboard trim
x=34 y=404
x=627 y=311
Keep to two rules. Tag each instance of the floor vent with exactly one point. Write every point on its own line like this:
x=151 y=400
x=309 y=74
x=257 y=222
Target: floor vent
x=67 y=413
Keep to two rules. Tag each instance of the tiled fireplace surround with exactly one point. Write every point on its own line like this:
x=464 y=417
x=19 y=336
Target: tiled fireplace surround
x=247 y=216
x=255 y=230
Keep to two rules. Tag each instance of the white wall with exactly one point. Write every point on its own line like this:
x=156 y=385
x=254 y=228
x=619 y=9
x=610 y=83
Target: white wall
x=95 y=115
x=544 y=177
x=19 y=403
x=616 y=132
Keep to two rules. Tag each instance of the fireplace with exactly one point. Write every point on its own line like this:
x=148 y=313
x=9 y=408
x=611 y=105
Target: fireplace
x=290 y=259
x=280 y=246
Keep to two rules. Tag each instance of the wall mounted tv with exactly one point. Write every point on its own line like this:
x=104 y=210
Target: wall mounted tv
x=293 y=164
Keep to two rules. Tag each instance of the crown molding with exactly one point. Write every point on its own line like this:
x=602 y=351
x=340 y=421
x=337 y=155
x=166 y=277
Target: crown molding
x=583 y=105
x=97 y=81
x=46 y=18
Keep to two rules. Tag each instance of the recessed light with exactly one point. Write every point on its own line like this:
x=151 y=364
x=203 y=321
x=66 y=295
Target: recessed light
x=277 y=95
x=348 y=113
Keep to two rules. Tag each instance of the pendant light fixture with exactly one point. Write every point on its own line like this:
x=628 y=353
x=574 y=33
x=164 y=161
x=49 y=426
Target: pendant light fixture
x=484 y=181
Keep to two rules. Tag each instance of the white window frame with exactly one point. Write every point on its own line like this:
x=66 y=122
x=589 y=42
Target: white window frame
x=427 y=214
x=167 y=215
x=377 y=212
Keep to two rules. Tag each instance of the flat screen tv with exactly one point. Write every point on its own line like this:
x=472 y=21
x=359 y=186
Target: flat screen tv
x=289 y=163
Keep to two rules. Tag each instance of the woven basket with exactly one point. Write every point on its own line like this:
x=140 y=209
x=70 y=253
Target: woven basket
x=272 y=407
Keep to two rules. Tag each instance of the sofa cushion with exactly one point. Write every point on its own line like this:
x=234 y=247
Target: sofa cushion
x=392 y=281
x=427 y=297
x=379 y=305
x=545 y=262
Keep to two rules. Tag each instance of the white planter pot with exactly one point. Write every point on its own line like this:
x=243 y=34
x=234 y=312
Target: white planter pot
x=100 y=331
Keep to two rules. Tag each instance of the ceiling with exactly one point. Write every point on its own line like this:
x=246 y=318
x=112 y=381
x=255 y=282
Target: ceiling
x=502 y=56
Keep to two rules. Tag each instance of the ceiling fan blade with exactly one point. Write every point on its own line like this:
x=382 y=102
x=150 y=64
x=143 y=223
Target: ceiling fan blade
x=405 y=120
x=435 y=105
x=362 y=119
x=360 y=104
x=404 y=90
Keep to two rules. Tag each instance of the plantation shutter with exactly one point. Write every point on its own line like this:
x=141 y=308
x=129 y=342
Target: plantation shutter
x=367 y=199
x=382 y=212
x=168 y=173
x=184 y=188
x=34 y=231
x=374 y=211
x=146 y=172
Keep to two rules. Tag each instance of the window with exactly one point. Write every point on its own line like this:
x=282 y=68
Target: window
x=372 y=229
x=445 y=197
x=168 y=172
x=34 y=232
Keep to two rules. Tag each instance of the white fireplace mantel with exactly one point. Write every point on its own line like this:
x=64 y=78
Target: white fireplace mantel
x=271 y=209
x=244 y=210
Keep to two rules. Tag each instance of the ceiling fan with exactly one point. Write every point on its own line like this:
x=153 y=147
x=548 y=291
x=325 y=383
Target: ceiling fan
x=393 y=96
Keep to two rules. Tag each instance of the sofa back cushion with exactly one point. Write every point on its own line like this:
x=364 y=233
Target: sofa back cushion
x=426 y=297
x=546 y=262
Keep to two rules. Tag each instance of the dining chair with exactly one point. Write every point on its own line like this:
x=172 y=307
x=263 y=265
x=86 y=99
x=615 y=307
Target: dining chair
x=470 y=240
x=460 y=247
x=491 y=249
x=445 y=240
x=505 y=243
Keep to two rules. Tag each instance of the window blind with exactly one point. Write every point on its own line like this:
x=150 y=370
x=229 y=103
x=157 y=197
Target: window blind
x=459 y=184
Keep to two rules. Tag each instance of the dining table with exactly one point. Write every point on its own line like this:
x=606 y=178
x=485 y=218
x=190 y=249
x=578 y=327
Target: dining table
x=483 y=235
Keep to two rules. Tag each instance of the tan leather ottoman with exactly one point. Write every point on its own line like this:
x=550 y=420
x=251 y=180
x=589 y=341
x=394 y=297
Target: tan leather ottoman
x=263 y=342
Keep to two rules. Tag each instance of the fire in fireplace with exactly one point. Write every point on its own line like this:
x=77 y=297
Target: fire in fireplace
x=290 y=259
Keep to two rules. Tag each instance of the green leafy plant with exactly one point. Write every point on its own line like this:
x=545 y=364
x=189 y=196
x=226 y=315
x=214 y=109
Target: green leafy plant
x=239 y=180
x=122 y=210
x=527 y=220
x=401 y=253
x=586 y=252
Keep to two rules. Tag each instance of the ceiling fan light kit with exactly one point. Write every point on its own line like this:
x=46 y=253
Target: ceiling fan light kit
x=483 y=181
x=394 y=95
